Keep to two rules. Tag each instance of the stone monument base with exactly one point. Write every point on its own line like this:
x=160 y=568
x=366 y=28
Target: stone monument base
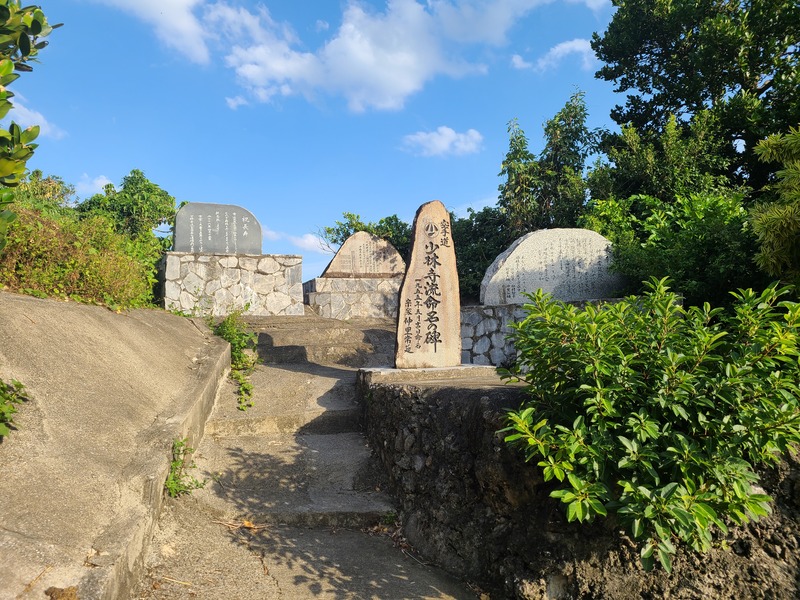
x=352 y=298
x=218 y=284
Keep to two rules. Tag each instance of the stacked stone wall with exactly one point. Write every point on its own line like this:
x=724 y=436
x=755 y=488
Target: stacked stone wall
x=216 y=285
x=352 y=298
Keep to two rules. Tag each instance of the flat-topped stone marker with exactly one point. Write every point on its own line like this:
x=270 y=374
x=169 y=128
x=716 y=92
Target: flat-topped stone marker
x=207 y=228
x=366 y=255
x=429 y=312
x=570 y=264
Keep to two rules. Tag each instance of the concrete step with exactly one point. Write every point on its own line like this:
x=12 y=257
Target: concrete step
x=288 y=398
x=355 y=343
x=292 y=479
x=195 y=555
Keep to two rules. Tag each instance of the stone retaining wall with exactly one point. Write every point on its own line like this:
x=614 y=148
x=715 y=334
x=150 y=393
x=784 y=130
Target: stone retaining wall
x=352 y=298
x=216 y=285
x=475 y=507
x=484 y=331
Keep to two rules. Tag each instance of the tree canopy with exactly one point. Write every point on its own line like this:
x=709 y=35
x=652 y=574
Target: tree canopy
x=738 y=58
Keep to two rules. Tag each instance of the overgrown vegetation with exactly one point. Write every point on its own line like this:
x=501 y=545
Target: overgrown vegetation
x=235 y=332
x=57 y=247
x=179 y=482
x=658 y=413
x=11 y=395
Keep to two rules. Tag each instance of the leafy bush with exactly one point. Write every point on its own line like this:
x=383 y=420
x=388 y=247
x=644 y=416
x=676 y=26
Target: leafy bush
x=49 y=255
x=702 y=242
x=657 y=413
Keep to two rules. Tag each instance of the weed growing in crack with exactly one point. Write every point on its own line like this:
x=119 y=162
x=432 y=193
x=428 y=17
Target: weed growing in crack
x=179 y=482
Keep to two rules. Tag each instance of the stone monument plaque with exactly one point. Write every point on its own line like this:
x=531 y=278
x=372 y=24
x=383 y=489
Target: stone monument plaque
x=429 y=311
x=366 y=255
x=205 y=228
x=570 y=264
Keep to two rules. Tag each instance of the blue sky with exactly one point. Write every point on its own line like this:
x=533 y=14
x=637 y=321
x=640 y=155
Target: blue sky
x=299 y=110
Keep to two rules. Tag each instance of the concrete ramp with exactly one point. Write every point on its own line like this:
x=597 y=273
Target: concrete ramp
x=81 y=480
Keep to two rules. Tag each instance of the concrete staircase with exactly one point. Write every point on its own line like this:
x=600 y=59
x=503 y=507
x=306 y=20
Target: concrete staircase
x=292 y=483
x=355 y=343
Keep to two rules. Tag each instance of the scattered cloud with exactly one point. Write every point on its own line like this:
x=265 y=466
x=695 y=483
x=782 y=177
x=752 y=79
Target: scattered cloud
x=175 y=24
x=375 y=59
x=26 y=117
x=481 y=21
x=443 y=142
x=270 y=235
x=310 y=242
x=87 y=186
x=520 y=63
x=559 y=52
x=462 y=210
x=236 y=102
x=593 y=5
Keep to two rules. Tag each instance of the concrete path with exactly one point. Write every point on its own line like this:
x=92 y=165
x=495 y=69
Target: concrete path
x=294 y=506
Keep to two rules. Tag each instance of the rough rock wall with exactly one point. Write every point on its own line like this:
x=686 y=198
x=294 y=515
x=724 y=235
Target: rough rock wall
x=476 y=508
x=353 y=298
x=216 y=285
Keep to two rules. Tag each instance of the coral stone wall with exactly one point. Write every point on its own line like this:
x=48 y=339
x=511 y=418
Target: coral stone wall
x=353 y=297
x=475 y=507
x=484 y=334
x=216 y=285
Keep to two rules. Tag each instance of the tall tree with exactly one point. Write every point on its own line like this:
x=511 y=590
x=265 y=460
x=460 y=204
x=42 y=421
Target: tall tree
x=739 y=58
x=393 y=229
x=137 y=208
x=777 y=224
x=548 y=190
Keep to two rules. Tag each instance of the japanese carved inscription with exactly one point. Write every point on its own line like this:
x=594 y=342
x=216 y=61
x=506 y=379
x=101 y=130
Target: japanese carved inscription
x=429 y=312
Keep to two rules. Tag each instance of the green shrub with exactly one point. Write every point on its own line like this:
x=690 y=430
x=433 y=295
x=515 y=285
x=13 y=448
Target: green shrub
x=702 y=242
x=657 y=413
x=50 y=255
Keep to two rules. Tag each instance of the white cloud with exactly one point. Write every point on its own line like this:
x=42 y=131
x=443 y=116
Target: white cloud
x=268 y=234
x=593 y=5
x=443 y=142
x=26 y=117
x=520 y=63
x=376 y=58
x=310 y=242
x=174 y=22
x=559 y=52
x=236 y=102
x=481 y=21
x=462 y=210
x=89 y=187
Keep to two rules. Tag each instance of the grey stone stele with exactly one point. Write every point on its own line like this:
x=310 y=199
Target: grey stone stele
x=216 y=229
x=429 y=312
x=570 y=264
x=216 y=285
